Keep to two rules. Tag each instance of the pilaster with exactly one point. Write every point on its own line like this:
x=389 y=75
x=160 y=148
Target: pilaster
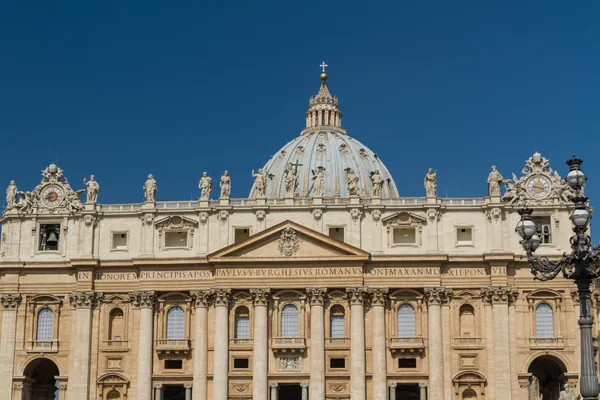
x=316 y=299
x=221 y=346
x=378 y=352
x=202 y=300
x=144 y=301
x=10 y=303
x=356 y=297
x=435 y=297
x=261 y=352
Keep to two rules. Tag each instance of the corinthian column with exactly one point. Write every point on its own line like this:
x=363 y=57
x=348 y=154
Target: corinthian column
x=144 y=301
x=221 y=353
x=435 y=297
x=79 y=367
x=316 y=298
x=379 y=358
x=500 y=297
x=201 y=302
x=10 y=304
x=261 y=350
x=357 y=343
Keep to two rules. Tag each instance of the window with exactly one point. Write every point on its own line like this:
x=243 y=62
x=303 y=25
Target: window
x=49 y=237
x=467 y=321
x=173 y=364
x=289 y=321
x=406 y=321
x=241 y=234
x=469 y=394
x=116 y=325
x=175 y=323
x=242 y=323
x=405 y=236
x=542 y=225
x=119 y=241
x=113 y=395
x=464 y=236
x=407 y=363
x=45 y=325
x=241 y=363
x=337 y=327
x=176 y=239
x=336 y=233
x=544 y=324
x=337 y=363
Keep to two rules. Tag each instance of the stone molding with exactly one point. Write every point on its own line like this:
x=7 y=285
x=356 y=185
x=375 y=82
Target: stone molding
x=10 y=301
x=438 y=295
x=143 y=299
x=316 y=296
x=202 y=298
x=260 y=296
x=356 y=295
x=84 y=299
x=222 y=297
x=379 y=296
x=499 y=294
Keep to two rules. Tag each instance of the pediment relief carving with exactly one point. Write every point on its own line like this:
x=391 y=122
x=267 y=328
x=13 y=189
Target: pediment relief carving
x=112 y=378
x=467 y=295
x=175 y=222
x=403 y=219
x=469 y=377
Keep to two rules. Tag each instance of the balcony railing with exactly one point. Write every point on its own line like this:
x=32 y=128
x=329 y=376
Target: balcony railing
x=42 y=346
x=407 y=344
x=115 y=345
x=468 y=343
x=338 y=343
x=546 y=343
x=173 y=346
x=288 y=344
x=240 y=342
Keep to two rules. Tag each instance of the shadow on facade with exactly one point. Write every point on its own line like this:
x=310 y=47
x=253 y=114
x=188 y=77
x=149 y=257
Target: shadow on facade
x=548 y=376
x=41 y=376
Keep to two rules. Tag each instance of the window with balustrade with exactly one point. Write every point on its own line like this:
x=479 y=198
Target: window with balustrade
x=242 y=323
x=175 y=323
x=405 y=321
x=43 y=312
x=45 y=325
x=544 y=321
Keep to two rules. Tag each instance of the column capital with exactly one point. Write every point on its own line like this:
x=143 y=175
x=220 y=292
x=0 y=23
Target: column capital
x=379 y=296
x=84 y=299
x=143 y=299
x=260 y=296
x=202 y=298
x=499 y=294
x=222 y=297
x=316 y=295
x=356 y=295
x=392 y=385
x=303 y=384
x=158 y=386
x=423 y=385
x=273 y=384
x=188 y=386
x=10 y=301
x=438 y=295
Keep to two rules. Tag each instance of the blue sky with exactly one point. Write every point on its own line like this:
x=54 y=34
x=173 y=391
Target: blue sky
x=122 y=89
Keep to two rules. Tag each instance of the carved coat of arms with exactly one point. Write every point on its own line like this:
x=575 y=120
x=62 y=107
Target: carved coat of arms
x=289 y=243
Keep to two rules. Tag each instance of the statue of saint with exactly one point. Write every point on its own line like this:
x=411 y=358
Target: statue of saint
x=150 y=188
x=11 y=195
x=319 y=184
x=291 y=176
x=92 y=190
x=205 y=186
x=225 y=185
x=25 y=202
x=260 y=183
x=568 y=394
x=377 y=184
x=494 y=181
x=352 y=182
x=430 y=183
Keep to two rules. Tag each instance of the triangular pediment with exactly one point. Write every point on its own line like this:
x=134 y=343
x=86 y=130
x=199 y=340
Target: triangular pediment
x=291 y=241
x=404 y=218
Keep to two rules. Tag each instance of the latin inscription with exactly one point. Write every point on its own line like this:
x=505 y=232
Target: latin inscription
x=149 y=275
x=250 y=272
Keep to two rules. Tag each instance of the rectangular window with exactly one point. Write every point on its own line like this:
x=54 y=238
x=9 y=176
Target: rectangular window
x=337 y=363
x=241 y=363
x=464 y=236
x=336 y=233
x=173 y=364
x=241 y=234
x=407 y=363
x=49 y=239
x=176 y=239
x=119 y=241
x=543 y=226
x=405 y=236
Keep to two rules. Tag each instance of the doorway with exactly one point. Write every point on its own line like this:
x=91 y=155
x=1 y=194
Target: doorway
x=173 y=392
x=548 y=375
x=43 y=372
x=408 y=391
x=290 y=391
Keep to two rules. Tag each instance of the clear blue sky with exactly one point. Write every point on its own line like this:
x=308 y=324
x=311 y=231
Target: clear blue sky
x=121 y=89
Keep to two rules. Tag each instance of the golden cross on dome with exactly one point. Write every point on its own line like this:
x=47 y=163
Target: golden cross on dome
x=323 y=65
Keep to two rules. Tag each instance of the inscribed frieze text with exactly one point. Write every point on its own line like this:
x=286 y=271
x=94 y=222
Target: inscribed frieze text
x=266 y=272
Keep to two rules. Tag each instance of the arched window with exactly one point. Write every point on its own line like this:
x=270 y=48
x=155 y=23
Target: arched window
x=544 y=323
x=45 y=325
x=336 y=317
x=289 y=321
x=175 y=323
x=242 y=323
x=469 y=394
x=467 y=321
x=116 y=325
x=406 y=321
x=113 y=395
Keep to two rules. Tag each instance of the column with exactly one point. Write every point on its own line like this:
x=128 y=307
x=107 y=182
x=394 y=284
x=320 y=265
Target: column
x=316 y=298
x=144 y=301
x=188 y=391
x=379 y=356
x=221 y=353
x=500 y=297
x=157 y=391
x=304 y=387
x=422 y=391
x=357 y=342
x=202 y=300
x=435 y=297
x=274 y=390
x=392 y=390
x=261 y=349
x=10 y=304
x=79 y=366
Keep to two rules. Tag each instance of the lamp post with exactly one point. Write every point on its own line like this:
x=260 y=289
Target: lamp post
x=582 y=265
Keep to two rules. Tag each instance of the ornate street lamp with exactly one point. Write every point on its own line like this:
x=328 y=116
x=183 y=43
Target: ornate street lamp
x=582 y=265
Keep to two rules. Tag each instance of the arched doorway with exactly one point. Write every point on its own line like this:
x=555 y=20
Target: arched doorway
x=43 y=373
x=547 y=377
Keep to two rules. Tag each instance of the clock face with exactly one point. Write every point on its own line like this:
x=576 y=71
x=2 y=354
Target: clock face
x=52 y=196
x=538 y=187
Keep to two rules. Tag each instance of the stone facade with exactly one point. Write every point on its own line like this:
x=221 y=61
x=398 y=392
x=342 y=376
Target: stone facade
x=304 y=297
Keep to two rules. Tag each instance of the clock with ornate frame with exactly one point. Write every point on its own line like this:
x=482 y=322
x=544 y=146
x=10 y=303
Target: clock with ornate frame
x=52 y=195
x=538 y=187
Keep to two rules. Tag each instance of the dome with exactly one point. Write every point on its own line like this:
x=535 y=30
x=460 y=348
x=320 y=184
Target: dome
x=324 y=146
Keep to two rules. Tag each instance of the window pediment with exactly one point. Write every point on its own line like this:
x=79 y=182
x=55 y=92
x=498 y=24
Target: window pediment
x=403 y=219
x=175 y=222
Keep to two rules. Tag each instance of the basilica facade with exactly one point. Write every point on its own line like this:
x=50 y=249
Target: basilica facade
x=324 y=283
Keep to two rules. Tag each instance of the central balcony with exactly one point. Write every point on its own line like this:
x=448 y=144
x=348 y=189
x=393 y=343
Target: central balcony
x=407 y=345
x=114 y=345
x=288 y=344
x=554 y=343
x=42 y=346
x=173 y=346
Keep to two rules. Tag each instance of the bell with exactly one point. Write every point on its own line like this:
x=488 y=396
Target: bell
x=52 y=238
